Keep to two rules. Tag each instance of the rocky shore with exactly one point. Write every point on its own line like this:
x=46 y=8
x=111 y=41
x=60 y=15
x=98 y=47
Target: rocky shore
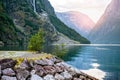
x=40 y=69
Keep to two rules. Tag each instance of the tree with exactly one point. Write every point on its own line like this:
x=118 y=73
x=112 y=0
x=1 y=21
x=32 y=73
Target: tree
x=36 y=42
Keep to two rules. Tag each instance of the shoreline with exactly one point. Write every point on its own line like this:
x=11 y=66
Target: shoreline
x=44 y=67
x=89 y=44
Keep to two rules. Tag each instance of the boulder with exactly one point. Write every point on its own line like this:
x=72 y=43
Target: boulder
x=59 y=77
x=7 y=63
x=74 y=74
x=49 y=69
x=66 y=75
x=0 y=71
x=1 y=43
x=36 y=77
x=44 y=62
x=63 y=65
x=8 y=78
x=41 y=62
x=8 y=72
x=59 y=69
x=31 y=62
x=22 y=74
x=50 y=62
x=39 y=70
x=25 y=64
x=75 y=70
x=82 y=77
x=49 y=77
x=55 y=60
x=77 y=79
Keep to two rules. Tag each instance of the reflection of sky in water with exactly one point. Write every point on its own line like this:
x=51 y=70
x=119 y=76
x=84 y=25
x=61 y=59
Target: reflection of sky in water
x=99 y=61
x=99 y=74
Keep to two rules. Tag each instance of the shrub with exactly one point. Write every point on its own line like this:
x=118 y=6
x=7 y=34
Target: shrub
x=36 y=42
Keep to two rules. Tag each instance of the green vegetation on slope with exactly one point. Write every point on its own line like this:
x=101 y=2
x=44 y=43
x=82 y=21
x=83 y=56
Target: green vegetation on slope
x=62 y=28
x=27 y=23
x=7 y=28
x=36 y=41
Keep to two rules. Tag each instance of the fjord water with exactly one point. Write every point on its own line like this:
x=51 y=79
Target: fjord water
x=102 y=62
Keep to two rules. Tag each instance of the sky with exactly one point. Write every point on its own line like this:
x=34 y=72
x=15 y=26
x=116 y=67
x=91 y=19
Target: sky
x=93 y=8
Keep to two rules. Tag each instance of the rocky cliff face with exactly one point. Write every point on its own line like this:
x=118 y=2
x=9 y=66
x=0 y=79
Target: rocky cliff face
x=107 y=29
x=77 y=21
x=21 y=19
x=27 y=17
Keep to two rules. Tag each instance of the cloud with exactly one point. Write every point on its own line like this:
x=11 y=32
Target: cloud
x=89 y=7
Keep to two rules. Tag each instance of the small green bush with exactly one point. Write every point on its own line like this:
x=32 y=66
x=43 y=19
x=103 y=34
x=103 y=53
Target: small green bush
x=36 y=42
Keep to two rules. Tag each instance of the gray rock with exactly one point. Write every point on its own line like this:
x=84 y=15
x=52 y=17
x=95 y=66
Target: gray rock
x=0 y=71
x=63 y=65
x=55 y=60
x=8 y=72
x=25 y=64
x=82 y=77
x=59 y=77
x=31 y=62
x=41 y=62
x=44 y=62
x=49 y=77
x=66 y=75
x=72 y=73
x=39 y=70
x=66 y=65
x=8 y=78
x=50 y=62
x=36 y=77
x=1 y=43
x=22 y=74
x=77 y=79
x=49 y=70
x=7 y=63
x=75 y=70
x=58 y=68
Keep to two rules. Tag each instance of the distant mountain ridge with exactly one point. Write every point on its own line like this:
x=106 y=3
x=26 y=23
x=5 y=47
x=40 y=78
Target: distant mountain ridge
x=107 y=29
x=77 y=21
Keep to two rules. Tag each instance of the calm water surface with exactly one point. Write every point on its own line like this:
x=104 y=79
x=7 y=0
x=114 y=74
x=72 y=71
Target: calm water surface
x=102 y=62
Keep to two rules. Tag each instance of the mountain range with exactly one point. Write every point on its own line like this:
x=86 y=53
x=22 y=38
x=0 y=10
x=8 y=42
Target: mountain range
x=77 y=21
x=20 y=19
x=107 y=29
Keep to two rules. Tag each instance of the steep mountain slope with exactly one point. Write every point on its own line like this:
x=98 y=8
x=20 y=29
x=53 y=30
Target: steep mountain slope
x=21 y=19
x=26 y=17
x=107 y=29
x=77 y=21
